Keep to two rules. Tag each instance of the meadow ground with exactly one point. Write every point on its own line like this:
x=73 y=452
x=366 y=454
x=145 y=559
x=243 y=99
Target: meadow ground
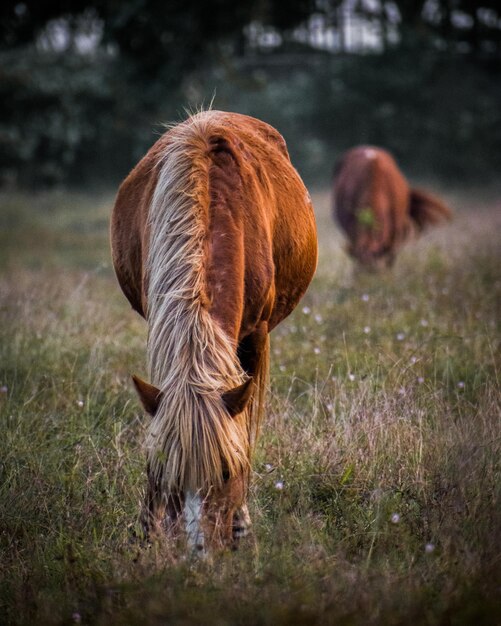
x=376 y=488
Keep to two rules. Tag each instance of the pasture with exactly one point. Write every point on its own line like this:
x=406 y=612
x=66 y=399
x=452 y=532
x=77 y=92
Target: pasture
x=375 y=494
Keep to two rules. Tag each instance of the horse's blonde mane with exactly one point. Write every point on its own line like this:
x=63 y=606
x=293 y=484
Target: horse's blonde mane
x=192 y=438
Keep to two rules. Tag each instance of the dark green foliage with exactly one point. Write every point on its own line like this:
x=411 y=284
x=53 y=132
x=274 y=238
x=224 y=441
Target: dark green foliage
x=430 y=92
x=439 y=114
x=375 y=491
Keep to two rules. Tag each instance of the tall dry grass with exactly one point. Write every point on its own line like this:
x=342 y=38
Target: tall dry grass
x=375 y=496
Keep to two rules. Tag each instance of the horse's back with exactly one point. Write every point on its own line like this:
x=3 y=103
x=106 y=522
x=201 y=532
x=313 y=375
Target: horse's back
x=260 y=219
x=279 y=220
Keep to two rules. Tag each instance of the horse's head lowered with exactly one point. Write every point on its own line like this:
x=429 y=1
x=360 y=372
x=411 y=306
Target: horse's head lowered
x=213 y=515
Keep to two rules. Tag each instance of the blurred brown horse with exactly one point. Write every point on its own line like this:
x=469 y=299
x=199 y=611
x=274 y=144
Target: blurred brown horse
x=214 y=243
x=376 y=208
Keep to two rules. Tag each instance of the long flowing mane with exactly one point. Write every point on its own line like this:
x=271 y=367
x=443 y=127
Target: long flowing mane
x=192 y=439
x=214 y=243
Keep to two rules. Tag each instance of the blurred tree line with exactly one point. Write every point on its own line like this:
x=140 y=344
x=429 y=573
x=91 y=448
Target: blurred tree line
x=86 y=84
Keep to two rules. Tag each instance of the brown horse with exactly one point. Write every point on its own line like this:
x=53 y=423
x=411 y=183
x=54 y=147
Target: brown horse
x=376 y=208
x=214 y=243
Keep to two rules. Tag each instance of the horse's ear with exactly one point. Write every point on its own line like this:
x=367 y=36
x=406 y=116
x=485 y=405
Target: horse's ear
x=149 y=395
x=236 y=399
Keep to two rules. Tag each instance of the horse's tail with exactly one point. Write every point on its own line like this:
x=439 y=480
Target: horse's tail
x=192 y=439
x=426 y=209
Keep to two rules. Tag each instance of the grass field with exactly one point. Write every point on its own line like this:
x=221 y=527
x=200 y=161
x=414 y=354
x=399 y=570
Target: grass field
x=376 y=488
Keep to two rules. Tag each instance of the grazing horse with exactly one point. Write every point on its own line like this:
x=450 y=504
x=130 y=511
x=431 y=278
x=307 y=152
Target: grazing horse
x=214 y=243
x=376 y=208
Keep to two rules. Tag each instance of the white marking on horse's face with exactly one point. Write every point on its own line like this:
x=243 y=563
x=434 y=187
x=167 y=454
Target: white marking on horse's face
x=193 y=504
x=241 y=522
x=370 y=153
